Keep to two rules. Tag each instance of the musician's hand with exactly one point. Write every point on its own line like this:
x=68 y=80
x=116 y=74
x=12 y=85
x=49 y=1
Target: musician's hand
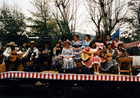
x=105 y=57
x=14 y=53
x=67 y=57
x=120 y=55
x=10 y=57
x=47 y=52
x=58 y=49
x=115 y=49
x=39 y=53
x=89 y=53
x=32 y=57
x=21 y=58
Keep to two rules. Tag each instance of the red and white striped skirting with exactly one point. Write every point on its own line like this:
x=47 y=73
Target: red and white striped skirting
x=75 y=77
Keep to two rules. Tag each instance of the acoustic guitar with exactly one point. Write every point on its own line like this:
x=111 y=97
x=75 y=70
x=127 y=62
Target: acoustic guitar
x=86 y=56
x=1 y=58
x=108 y=56
x=13 y=57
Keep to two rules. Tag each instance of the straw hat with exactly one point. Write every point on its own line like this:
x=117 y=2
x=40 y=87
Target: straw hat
x=32 y=42
x=11 y=44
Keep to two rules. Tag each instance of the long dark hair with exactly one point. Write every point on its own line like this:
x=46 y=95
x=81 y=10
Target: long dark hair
x=63 y=36
x=76 y=35
x=91 y=43
x=110 y=37
x=122 y=49
x=88 y=36
x=59 y=43
x=108 y=45
x=99 y=36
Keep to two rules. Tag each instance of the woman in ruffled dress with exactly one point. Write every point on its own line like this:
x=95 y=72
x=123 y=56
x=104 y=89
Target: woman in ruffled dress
x=67 y=54
x=93 y=61
x=77 y=48
x=110 y=64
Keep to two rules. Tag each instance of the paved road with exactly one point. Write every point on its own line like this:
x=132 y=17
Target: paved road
x=26 y=91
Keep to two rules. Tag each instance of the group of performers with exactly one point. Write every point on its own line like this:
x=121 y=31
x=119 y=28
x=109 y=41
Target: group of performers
x=66 y=54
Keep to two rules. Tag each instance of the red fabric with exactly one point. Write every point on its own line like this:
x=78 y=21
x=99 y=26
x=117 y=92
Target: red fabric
x=87 y=49
x=91 y=61
x=113 y=44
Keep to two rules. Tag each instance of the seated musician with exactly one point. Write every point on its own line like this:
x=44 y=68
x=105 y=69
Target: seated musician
x=31 y=54
x=77 y=49
x=57 y=59
x=9 y=53
x=121 y=52
x=109 y=64
x=46 y=54
x=92 y=61
x=67 y=54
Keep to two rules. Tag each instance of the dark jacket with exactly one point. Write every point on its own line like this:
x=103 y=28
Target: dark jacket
x=50 y=50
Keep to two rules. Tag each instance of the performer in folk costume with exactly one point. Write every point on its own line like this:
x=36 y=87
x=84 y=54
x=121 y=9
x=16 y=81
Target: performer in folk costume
x=108 y=40
x=99 y=42
x=120 y=50
x=93 y=61
x=57 y=58
x=86 y=42
x=9 y=53
x=109 y=64
x=67 y=54
x=117 y=42
x=31 y=54
x=77 y=48
x=63 y=41
x=46 y=54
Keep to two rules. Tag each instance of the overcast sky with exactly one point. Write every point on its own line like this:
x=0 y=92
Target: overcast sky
x=83 y=26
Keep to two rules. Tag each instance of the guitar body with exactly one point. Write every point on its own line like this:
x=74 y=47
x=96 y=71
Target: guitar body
x=14 y=57
x=108 y=57
x=1 y=58
x=85 y=56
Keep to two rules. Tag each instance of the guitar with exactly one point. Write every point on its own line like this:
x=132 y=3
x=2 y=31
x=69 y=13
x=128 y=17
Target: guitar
x=108 y=56
x=45 y=53
x=13 y=57
x=86 y=56
x=1 y=58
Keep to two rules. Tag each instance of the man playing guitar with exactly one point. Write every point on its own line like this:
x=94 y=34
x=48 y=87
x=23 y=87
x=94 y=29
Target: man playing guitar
x=46 y=54
x=11 y=53
x=31 y=54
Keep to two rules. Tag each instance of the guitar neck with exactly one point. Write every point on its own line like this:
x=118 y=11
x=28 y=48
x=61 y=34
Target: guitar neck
x=116 y=55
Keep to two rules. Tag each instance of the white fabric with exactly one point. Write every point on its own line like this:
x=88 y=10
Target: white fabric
x=136 y=60
x=35 y=50
x=9 y=50
x=94 y=50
